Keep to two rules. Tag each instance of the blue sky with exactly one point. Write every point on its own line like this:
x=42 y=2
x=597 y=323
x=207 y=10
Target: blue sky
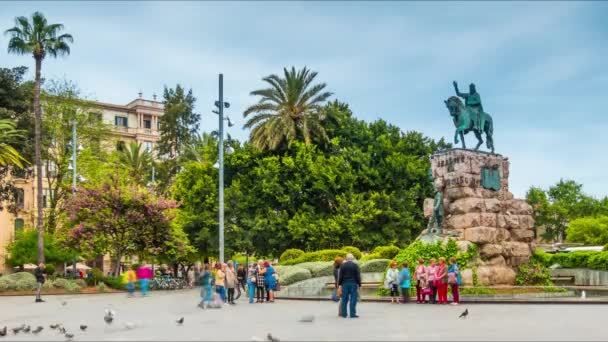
x=540 y=67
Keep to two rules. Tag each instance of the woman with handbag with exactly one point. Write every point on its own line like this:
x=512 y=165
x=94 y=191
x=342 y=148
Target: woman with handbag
x=405 y=282
x=420 y=277
x=442 y=281
x=391 y=282
x=454 y=280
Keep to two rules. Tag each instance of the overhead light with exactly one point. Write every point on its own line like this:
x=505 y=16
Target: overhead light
x=70 y=167
x=216 y=165
x=226 y=104
x=81 y=179
x=80 y=148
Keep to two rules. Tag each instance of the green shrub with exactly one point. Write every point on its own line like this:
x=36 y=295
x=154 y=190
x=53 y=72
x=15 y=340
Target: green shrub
x=49 y=269
x=598 y=261
x=371 y=256
x=533 y=273
x=606 y=248
x=61 y=283
x=318 y=268
x=96 y=277
x=25 y=284
x=101 y=287
x=292 y=274
x=355 y=251
x=418 y=249
x=21 y=276
x=322 y=255
x=386 y=252
x=580 y=259
x=81 y=283
x=377 y=265
x=114 y=282
x=7 y=284
x=49 y=284
x=291 y=254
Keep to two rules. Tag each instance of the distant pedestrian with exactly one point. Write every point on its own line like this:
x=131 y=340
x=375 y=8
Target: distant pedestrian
x=130 y=278
x=231 y=282
x=190 y=276
x=421 y=281
x=405 y=282
x=442 y=281
x=220 y=281
x=454 y=280
x=241 y=277
x=144 y=274
x=206 y=290
x=270 y=281
x=349 y=281
x=431 y=276
x=260 y=284
x=391 y=282
x=39 y=273
x=251 y=283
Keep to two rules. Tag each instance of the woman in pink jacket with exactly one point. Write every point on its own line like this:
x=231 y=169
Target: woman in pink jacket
x=421 y=282
x=442 y=281
x=431 y=275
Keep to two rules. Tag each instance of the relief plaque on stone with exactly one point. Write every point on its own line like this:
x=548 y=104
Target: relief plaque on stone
x=490 y=178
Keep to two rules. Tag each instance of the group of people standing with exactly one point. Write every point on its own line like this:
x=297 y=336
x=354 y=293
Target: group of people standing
x=224 y=281
x=432 y=281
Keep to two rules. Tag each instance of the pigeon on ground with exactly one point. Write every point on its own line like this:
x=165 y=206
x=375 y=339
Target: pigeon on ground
x=37 y=330
x=180 y=321
x=17 y=330
x=27 y=329
x=69 y=336
x=271 y=338
x=83 y=327
x=61 y=330
x=54 y=326
x=109 y=316
x=465 y=314
x=64 y=303
x=307 y=319
x=3 y=332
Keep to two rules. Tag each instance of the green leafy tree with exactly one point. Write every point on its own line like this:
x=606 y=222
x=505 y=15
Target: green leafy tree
x=23 y=250
x=289 y=110
x=9 y=134
x=138 y=161
x=119 y=220
x=40 y=39
x=589 y=230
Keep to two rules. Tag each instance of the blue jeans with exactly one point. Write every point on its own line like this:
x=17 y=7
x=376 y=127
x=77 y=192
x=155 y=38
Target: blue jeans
x=143 y=285
x=349 y=294
x=222 y=292
x=250 y=291
x=207 y=294
x=130 y=288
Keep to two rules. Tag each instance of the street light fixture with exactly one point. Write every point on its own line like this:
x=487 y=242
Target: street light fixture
x=220 y=104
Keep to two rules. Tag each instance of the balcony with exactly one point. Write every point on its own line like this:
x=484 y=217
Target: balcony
x=135 y=131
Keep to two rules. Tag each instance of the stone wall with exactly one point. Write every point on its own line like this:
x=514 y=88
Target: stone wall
x=500 y=225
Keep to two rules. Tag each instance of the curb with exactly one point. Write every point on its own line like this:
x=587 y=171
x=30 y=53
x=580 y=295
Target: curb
x=475 y=301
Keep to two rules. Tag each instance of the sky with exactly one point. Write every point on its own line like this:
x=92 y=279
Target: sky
x=540 y=67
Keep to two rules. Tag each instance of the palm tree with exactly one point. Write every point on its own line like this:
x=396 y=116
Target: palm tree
x=137 y=160
x=9 y=134
x=291 y=109
x=39 y=39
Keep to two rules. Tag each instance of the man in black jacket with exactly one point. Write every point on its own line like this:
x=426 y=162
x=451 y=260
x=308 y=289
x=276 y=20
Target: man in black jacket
x=39 y=273
x=349 y=280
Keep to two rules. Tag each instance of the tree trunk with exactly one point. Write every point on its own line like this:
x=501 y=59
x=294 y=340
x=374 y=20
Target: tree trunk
x=117 y=267
x=37 y=148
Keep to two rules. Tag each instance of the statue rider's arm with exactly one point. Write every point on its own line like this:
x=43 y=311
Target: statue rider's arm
x=458 y=93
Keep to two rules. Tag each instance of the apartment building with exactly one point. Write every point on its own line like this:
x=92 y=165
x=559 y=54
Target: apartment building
x=136 y=121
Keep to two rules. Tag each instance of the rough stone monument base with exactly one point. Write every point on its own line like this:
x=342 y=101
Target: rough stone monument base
x=479 y=209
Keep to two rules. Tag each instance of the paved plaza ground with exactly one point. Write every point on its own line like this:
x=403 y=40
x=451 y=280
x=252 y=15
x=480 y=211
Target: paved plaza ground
x=154 y=318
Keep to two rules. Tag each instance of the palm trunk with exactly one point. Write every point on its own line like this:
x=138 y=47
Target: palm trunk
x=37 y=147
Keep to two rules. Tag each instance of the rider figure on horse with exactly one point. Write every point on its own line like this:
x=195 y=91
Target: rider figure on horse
x=472 y=101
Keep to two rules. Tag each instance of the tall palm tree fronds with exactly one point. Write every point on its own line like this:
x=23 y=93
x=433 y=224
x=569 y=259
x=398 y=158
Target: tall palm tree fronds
x=137 y=160
x=8 y=134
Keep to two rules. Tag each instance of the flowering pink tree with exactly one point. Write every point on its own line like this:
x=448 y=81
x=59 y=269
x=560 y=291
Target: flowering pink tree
x=121 y=221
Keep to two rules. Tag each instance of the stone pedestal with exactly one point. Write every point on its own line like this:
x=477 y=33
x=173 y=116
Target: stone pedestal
x=484 y=212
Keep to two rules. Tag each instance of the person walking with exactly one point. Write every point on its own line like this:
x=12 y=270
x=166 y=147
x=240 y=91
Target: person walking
x=231 y=282
x=130 y=279
x=144 y=274
x=336 y=295
x=260 y=284
x=442 y=281
x=39 y=273
x=190 y=277
x=421 y=281
x=220 y=281
x=270 y=281
x=431 y=276
x=391 y=282
x=241 y=277
x=405 y=282
x=454 y=280
x=349 y=282
x=206 y=290
x=251 y=283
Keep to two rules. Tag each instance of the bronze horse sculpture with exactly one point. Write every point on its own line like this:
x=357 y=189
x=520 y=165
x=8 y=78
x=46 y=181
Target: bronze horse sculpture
x=465 y=123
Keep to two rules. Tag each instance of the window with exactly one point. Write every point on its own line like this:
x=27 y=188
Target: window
x=19 y=224
x=158 y=125
x=121 y=121
x=120 y=146
x=148 y=146
x=19 y=198
x=47 y=194
x=148 y=124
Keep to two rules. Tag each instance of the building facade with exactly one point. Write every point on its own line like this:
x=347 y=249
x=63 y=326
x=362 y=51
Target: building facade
x=137 y=121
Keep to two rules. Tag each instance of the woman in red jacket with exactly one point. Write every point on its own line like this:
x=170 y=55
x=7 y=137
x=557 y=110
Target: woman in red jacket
x=442 y=281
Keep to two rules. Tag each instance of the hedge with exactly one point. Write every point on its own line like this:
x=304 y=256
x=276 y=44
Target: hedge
x=418 y=249
x=386 y=252
x=291 y=254
x=25 y=281
x=318 y=268
x=322 y=255
x=378 y=265
x=580 y=259
x=354 y=251
x=292 y=274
